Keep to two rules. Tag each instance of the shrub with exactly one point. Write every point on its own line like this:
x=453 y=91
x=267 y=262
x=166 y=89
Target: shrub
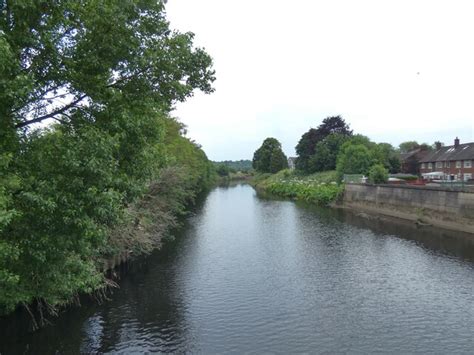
x=378 y=174
x=320 y=194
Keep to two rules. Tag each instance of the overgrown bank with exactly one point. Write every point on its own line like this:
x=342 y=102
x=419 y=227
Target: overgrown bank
x=92 y=165
x=447 y=209
x=320 y=188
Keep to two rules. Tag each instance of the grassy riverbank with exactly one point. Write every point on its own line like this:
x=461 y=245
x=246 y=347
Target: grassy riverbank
x=76 y=214
x=319 y=188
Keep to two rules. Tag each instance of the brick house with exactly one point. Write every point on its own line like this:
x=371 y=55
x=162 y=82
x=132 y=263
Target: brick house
x=410 y=162
x=455 y=161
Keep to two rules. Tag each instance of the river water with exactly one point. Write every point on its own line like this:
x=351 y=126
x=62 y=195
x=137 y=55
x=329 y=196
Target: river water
x=254 y=275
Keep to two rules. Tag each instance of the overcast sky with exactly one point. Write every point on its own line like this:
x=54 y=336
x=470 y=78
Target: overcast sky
x=395 y=70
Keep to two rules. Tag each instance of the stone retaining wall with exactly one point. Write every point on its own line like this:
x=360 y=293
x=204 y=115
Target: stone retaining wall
x=439 y=207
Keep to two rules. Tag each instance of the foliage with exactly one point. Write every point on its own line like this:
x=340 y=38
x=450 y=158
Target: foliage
x=222 y=170
x=320 y=194
x=318 y=188
x=354 y=159
x=236 y=165
x=359 y=153
x=278 y=161
x=388 y=156
x=326 y=152
x=93 y=54
x=306 y=147
x=378 y=174
x=407 y=177
x=108 y=74
x=408 y=146
x=269 y=158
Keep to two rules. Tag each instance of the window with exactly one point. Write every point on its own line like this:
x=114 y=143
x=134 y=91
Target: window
x=439 y=164
x=467 y=177
x=423 y=166
x=458 y=164
x=467 y=164
x=430 y=165
x=448 y=164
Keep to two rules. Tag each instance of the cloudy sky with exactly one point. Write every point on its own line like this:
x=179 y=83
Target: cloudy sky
x=395 y=70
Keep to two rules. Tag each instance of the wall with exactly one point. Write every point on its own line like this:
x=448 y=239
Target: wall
x=448 y=209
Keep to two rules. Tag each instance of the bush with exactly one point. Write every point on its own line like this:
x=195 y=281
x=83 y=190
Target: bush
x=378 y=174
x=320 y=194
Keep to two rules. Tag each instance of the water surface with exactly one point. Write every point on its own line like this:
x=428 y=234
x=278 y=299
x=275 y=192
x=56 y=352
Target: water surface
x=251 y=275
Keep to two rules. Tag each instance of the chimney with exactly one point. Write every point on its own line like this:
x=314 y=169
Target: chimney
x=438 y=145
x=456 y=142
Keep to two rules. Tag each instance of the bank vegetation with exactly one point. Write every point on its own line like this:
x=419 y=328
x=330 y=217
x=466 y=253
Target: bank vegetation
x=92 y=164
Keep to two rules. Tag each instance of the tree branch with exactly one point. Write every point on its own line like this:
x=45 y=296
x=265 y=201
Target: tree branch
x=51 y=114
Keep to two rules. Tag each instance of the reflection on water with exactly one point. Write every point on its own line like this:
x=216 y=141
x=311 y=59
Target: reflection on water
x=250 y=274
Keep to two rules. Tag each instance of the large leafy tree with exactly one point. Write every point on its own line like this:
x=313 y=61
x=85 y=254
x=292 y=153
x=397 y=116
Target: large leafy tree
x=269 y=158
x=326 y=152
x=388 y=157
x=71 y=60
x=359 y=153
x=354 y=159
x=101 y=76
x=306 y=147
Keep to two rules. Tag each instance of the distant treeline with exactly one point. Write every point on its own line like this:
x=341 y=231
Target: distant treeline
x=225 y=167
x=334 y=146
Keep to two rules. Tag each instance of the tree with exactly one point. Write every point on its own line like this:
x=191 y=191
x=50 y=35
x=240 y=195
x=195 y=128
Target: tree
x=69 y=60
x=354 y=159
x=408 y=146
x=326 y=152
x=306 y=147
x=103 y=77
x=378 y=174
x=222 y=170
x=278 y=161
x=388 y=157
x=269 y=158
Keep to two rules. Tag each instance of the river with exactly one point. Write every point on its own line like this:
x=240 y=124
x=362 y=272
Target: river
x=248 y=274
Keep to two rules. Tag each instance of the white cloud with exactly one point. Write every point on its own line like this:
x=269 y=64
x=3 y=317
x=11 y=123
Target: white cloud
x=400 y=70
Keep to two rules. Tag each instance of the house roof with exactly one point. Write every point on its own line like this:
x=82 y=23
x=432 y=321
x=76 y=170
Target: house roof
x=462 y=152
x=405 y=156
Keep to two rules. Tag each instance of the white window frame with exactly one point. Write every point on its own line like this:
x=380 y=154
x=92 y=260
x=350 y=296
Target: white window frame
x=423 y=166
x=439 y=164
x=430 y=166
x=467 y=163
x=467 y=176
x=448 y=164
x=458 y=164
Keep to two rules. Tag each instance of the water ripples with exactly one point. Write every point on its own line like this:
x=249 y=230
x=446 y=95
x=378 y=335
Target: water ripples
x=250 y=275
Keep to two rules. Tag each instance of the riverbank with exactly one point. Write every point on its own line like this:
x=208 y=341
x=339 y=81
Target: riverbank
x=247 y=274
x=450 y=210
x=237 y=176
x=447 y=209
x=147 y=225
x=320 y=188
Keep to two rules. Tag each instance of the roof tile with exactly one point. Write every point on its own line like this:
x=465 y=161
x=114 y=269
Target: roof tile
x=450 y=153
